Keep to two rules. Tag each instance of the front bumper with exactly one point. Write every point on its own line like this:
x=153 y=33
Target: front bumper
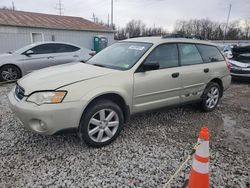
x=46 y=119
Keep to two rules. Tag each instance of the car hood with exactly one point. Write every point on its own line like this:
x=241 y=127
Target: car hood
x=58 y=76
x=9 y=58
x=5 y=55
x=239 y=64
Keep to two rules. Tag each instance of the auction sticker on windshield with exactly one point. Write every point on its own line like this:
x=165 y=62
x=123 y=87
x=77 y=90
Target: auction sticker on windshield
x=136 y=48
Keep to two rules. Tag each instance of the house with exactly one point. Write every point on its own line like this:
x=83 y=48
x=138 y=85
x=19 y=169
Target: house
x=19 y=28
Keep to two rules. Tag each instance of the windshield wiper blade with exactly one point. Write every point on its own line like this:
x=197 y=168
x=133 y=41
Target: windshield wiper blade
x=98 y=65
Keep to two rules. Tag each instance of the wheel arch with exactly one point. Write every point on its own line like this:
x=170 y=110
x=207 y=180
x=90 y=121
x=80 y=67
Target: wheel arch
x=14 y=66
x=220 y=83
x=116 y=98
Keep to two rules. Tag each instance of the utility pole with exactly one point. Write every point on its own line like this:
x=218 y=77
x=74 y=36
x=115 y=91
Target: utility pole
x=13 y=6
x=228 y=16
x=112 y=13
x=60 y=7
x=94 y=18
x=108 y=20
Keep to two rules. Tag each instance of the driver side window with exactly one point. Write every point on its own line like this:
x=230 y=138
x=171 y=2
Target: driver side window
x=44 y=49
x=166 y=55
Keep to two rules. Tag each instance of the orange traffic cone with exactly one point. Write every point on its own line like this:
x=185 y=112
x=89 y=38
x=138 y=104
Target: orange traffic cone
x=199 y=177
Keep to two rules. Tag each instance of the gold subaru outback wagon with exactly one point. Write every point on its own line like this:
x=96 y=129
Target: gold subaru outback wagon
x=97 y=97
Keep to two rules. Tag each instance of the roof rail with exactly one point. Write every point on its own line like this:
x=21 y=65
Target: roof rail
x=176 y=35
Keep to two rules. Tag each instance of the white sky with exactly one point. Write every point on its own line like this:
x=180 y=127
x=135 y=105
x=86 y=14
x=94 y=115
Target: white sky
x=162 y=13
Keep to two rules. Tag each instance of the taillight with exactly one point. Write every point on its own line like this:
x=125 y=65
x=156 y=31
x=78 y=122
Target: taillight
x=229 y=66
x=92 y=53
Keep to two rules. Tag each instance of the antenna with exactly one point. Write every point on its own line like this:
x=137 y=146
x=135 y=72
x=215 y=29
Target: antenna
x=228 y=16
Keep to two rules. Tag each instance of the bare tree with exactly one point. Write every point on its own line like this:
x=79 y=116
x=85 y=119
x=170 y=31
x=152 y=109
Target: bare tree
x=121 y=34
x=208 y=29
x=247 y=28
x=7 y=8
x=135 y=28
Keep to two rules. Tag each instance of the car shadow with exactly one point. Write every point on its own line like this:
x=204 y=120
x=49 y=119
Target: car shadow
x=236 y=80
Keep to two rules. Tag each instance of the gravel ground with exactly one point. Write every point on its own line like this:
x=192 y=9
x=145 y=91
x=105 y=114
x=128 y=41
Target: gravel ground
x=148 y=151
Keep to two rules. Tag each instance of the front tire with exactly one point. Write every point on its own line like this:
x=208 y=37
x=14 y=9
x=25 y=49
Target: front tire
x=101 y=123
x=211 y=97
x=9 y=72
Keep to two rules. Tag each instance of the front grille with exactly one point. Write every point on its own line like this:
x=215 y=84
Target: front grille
x=19 y=92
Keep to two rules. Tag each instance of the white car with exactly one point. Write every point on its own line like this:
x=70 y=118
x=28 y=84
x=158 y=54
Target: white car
x=97 y=97
x=37 y=56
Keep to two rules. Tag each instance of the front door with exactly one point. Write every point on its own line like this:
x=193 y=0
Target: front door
x=43 y=56
x=158 y=88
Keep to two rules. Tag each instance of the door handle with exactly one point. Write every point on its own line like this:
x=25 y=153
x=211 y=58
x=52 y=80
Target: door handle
x=76 y=56
x=50 y=57
x=206 y=70
x=175 y=75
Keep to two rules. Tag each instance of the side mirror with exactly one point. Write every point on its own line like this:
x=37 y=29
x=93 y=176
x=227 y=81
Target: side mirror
x=150 y=66
x=29 y=52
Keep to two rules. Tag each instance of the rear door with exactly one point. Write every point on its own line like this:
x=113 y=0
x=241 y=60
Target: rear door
x=214 y=60
x=194 y=71
x=158 y=88
x=65 y=53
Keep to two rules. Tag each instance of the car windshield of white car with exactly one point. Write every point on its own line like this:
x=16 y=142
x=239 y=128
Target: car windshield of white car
x=121 y=56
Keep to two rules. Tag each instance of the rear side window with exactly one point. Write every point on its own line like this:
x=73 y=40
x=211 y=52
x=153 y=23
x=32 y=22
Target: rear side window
x=189 y=54
x=166 y=55
x=210 y=53
x=64 y=48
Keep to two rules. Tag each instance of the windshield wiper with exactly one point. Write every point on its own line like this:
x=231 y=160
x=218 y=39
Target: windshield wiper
x=98 y=65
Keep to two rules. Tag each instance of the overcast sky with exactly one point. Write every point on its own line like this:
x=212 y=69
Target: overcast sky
x=162 y=13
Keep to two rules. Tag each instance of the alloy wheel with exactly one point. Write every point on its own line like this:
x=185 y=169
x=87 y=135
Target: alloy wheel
x=212 y=97
x=9 y=74
x=103 y=125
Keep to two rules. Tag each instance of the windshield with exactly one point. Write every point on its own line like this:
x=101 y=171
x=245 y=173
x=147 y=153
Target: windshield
x=23 y=49
x=121 y=55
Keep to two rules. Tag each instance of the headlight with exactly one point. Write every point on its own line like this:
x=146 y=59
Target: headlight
x=47 y=97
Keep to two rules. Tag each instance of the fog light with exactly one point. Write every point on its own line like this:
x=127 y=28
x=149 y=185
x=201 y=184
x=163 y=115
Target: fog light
x=38 y=125
x=43 y=126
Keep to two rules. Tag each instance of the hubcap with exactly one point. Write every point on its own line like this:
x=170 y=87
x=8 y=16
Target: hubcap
x=212 y=97
x=9 y=74
x=103 y=125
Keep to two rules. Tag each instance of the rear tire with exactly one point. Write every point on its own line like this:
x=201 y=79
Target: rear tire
x=211 y=97
x=9 y=72
x=101 y=123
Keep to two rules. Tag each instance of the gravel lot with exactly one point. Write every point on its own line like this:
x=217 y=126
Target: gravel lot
x=148 y=151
